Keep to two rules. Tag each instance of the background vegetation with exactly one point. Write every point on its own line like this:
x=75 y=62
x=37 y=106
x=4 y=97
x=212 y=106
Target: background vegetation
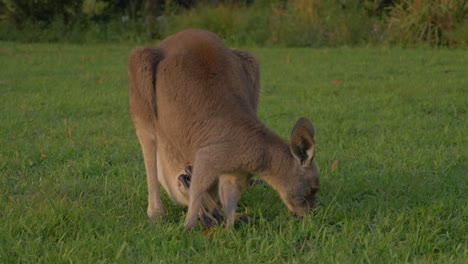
x=390 y=128
x=310 y=23
x=72 y=181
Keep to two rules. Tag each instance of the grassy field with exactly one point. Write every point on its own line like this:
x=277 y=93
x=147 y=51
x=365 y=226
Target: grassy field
x=72 y=182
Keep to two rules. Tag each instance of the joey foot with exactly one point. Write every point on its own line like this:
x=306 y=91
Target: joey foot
x=185 y=180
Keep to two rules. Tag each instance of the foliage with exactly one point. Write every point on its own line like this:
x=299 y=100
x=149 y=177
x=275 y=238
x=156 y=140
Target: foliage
x=238 y=25
x=94 y=8
x=440 y=22
x=320 y=23
x=292 y=23
x=312 y=23
x=18 y=12
x=72 y=179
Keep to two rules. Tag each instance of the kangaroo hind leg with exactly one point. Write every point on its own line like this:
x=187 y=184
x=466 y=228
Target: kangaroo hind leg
x=142 y=65
x=155 y=209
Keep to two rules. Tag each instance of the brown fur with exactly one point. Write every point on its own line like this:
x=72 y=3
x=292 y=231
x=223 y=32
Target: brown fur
x=193 y=102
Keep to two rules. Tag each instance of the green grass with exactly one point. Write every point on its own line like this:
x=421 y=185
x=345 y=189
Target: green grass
x=72 y=183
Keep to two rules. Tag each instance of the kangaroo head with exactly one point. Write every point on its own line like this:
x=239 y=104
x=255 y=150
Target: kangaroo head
x=303 y=178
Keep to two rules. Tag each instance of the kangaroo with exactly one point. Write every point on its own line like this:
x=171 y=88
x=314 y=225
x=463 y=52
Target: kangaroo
x=193 y=101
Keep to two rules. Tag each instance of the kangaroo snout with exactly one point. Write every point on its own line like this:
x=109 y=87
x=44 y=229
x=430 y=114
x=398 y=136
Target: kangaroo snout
x=302 y=206
x=310 y=200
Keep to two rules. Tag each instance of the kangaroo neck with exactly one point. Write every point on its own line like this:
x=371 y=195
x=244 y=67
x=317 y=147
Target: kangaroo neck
x=280 y=162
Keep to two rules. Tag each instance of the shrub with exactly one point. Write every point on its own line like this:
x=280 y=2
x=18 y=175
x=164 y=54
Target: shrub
x=237 y=24
x=320 y=23
x=437 y=22
x=73 y=21
x=218 y=19
x=311 y=23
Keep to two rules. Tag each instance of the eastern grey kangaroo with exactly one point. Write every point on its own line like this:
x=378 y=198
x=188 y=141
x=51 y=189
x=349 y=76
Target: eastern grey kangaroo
x=193 y=101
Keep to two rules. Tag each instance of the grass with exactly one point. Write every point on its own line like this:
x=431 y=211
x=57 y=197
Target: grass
x=72 y=183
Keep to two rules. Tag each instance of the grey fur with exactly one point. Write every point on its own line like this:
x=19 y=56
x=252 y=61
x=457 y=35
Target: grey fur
x=193 y=101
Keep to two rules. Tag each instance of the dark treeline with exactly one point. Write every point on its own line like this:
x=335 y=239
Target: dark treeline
x=242 y=22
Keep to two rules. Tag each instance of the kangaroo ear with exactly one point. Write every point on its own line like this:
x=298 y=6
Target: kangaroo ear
x=302 y=143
